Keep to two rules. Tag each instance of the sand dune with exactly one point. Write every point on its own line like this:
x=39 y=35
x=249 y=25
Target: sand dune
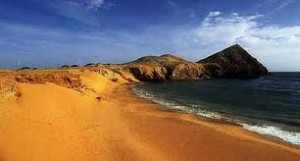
x=51 y=122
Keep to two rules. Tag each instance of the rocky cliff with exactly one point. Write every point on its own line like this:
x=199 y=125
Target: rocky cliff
x=233 y=62
x=165 y=67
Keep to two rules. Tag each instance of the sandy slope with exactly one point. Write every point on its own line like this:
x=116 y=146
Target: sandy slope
x=49 y=122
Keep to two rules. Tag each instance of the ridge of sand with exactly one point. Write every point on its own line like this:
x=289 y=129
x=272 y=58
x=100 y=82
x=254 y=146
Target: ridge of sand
x=51 y=122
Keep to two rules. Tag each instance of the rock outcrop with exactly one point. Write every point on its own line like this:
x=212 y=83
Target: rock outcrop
x=188 y=71
x=165 y=67
x=149 y=73
x=233 y=62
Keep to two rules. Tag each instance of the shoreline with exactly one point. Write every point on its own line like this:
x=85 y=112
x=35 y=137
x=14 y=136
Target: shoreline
x=202 y=121
x=169 y=106
x=166 y=108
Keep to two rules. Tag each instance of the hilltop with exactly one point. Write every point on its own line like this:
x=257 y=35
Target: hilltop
x=163 y=60
x=165 y=67
x=233 y=62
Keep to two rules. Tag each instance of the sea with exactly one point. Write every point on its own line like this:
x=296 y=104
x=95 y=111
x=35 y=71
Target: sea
x=269 y=105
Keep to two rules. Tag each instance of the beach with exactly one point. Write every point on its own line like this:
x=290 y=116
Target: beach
x=149 y=80
x=51 y=122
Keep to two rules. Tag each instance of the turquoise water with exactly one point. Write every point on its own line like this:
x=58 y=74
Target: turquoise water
x=270 y=105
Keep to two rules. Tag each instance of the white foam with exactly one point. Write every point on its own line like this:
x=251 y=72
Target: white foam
x=209 y=114
x=288 y=136
x=144 y=94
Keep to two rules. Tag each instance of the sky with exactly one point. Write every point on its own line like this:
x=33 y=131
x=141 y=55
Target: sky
x=47 y=33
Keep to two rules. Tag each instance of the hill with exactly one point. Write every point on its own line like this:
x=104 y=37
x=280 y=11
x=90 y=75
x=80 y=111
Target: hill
x=165 y=67
x=163 y=60
x=233 y=62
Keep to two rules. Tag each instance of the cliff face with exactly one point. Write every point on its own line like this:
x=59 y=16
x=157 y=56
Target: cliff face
x=149 y=73
x=165 y=67
x=233 y=62
x=188 y=71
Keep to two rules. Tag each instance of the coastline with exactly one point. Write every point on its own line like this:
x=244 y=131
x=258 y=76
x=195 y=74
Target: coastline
x=242 y=137
x=51 y=122
x=278 y=134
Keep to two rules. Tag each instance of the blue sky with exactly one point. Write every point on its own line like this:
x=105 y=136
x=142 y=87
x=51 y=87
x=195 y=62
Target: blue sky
x=56 y=32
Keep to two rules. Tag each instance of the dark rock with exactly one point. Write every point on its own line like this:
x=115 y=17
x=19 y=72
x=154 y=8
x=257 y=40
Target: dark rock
x=25 y=68
x=213 y=70
x=90 y=65
x=99 y=98
x=233 y=62
x=65 y=66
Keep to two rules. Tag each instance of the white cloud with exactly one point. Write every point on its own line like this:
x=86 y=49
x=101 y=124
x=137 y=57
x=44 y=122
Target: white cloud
x=277 y=46
x=214 y=14
x=95 y=4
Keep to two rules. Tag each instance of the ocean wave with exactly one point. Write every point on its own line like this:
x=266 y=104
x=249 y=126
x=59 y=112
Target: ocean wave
x=207 y=114
x=288 y=136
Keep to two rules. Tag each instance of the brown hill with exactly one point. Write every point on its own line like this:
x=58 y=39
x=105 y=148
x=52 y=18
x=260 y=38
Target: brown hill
x=163 y=60
x=233 y=62
x=165 y=67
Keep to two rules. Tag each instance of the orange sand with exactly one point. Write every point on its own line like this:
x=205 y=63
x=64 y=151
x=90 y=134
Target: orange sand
x=54 y=123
